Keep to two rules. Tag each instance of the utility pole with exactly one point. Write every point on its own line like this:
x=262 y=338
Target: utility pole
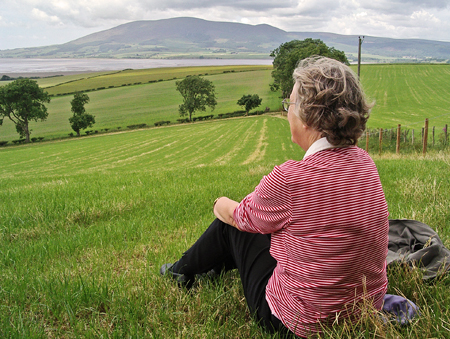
x=359 y=53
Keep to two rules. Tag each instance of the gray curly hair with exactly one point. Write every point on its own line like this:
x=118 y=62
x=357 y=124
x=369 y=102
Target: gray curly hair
x=331 y=100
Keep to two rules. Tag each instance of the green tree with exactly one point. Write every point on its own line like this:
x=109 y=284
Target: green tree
x=23 y=101
x=197 y=93
x=287 y=56
x=249 y=102
x=80 y=119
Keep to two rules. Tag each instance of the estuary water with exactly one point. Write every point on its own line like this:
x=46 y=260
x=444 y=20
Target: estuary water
x=46 y=67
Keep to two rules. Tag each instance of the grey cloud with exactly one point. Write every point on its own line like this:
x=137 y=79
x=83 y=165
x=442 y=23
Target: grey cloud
x=397 y=18
x=87 y=16
x=427 y=3
x=248 y=5
x=322 y=9
x=288 y=15
x=402 y=6
x=99 y=12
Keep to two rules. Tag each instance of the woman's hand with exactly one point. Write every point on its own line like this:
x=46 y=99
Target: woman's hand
x=223 y=210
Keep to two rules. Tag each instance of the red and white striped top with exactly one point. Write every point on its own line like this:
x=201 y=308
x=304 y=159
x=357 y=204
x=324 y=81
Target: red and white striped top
x=329 y=223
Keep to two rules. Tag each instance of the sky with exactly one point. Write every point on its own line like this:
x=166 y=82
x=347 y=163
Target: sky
x=33 y=23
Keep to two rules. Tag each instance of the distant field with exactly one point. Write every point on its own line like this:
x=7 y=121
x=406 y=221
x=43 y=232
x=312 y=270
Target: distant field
x=404 y=94
x=140 y=76
x=149 y=102
x=48 y=82
x=85 y=224
x=407 y=94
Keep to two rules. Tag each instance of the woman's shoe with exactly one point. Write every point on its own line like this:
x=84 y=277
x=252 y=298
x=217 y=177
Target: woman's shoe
x=184 y=280
x=181 y=279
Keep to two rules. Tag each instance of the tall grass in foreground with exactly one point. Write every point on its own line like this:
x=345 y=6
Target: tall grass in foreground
x=85 y=225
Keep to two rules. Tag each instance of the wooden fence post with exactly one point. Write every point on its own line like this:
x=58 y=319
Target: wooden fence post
x=446 y=134
x=381 y=139
x=433 y=135
x=425 y=137
x=367 y=142
x=397 y=148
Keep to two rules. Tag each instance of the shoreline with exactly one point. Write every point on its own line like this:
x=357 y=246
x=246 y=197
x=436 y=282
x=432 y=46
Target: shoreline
x=53 y=67
x=43 y=75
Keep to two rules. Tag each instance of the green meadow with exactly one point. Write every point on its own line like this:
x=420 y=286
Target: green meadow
x=86 y=223
x=142 y=102
x=130 y=77
x=404 y=94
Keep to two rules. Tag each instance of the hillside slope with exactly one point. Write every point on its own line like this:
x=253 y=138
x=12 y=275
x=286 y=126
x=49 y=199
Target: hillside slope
x=197 y=38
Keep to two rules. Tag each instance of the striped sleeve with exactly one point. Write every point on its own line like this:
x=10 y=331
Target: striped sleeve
x=268 y=208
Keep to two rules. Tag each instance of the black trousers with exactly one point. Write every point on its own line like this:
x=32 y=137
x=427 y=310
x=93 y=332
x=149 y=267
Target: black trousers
x=223 y=246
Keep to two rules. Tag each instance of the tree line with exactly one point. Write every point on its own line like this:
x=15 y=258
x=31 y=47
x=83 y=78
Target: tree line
x=23 y=101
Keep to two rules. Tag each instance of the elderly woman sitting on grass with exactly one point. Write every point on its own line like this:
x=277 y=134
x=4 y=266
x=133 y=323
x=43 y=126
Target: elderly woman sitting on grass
x=310 y=241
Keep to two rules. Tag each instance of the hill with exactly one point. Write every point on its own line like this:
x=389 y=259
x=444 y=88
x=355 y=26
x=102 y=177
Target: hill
x=197 y=38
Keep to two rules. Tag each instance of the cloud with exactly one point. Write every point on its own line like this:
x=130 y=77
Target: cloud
x=424 y=17
x=404 y=7
x=291 y=15
x=75 y=18
x=90 y=13
x=41 y=15
x=84 y=13
x=248 y=5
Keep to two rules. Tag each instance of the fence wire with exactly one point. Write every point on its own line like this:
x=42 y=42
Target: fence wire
x=387 y=137
x=406 y=126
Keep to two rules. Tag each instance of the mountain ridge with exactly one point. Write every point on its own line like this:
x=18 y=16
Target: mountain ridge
x=187 y=37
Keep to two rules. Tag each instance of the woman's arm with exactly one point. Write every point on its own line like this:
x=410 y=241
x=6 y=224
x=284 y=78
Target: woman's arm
x=224 y=208
x=268 y=208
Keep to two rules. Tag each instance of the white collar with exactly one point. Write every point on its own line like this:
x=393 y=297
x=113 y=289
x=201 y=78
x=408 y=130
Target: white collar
x=317 y=146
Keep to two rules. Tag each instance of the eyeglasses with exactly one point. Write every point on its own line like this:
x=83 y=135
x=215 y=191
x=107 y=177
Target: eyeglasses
x=286 y=103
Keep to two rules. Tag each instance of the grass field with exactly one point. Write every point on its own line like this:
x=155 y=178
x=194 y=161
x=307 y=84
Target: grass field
x=407 y=94
x=404 y=94
x=85 y=224
x=129 y=77
x=150 y=102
